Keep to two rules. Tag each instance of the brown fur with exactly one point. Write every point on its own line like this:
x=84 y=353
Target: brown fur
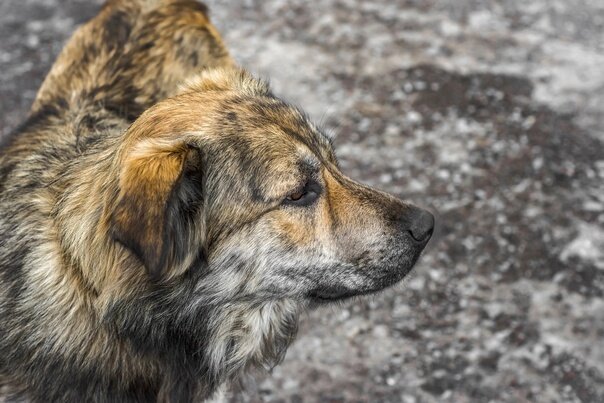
x=165 y=218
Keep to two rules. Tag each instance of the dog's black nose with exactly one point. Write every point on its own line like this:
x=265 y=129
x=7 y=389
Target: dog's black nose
x=421 y=224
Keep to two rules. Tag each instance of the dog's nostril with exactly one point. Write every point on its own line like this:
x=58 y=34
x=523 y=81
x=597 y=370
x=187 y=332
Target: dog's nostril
x=422 y=225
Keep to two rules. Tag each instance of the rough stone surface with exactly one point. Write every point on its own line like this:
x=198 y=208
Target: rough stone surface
x=488 y=111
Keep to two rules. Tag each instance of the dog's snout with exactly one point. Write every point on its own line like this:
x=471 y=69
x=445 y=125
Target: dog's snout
x=419 y=223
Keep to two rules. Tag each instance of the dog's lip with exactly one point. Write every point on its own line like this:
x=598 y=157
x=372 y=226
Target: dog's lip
x=339 y=294
x=332 y=295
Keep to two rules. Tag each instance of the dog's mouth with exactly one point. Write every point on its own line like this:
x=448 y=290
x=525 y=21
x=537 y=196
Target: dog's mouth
x=323 y=296
x=335 y=294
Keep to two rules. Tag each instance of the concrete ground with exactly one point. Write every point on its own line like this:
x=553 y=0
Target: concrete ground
x=488 y=111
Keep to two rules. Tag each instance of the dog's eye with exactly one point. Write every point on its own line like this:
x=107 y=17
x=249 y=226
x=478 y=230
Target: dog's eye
x=296 y=196
x=305 y=196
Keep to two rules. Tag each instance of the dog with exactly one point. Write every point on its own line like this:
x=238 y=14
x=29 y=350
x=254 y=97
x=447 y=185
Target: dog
x=165 y=218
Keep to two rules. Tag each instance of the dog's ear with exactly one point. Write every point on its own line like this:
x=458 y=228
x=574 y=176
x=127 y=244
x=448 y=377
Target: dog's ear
x=229 y=79
x=159 y=200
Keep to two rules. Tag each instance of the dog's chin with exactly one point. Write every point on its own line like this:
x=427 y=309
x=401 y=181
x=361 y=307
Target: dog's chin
x=330 y=294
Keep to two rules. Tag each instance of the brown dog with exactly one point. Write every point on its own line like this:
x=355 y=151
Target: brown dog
x=157 y=239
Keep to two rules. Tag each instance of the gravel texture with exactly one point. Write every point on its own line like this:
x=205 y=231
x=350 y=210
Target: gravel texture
x=489 y=112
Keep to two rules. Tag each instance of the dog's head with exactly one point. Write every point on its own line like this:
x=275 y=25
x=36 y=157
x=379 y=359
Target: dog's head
x=228 y=179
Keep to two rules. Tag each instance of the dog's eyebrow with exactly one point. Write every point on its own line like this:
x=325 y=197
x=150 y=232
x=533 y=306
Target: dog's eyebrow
x=309 y=166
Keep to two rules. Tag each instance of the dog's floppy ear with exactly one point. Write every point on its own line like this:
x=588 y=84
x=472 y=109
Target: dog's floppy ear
x=159 y=199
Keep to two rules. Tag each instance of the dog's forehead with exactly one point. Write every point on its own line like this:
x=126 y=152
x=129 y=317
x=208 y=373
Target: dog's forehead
x=264 y=147
x=274 y=124
x=263 y=168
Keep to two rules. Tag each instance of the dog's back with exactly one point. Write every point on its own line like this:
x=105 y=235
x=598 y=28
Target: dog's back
x=130 y=56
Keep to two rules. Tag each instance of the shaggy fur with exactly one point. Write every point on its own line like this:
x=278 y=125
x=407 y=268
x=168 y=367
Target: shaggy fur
x=164 y=218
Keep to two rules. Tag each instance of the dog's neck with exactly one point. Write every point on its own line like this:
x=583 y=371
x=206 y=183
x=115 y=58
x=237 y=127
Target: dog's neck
x=214 y=342
x=217 y=337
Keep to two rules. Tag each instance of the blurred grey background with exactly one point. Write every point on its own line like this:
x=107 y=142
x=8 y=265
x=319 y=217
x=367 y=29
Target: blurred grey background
x=489 y=112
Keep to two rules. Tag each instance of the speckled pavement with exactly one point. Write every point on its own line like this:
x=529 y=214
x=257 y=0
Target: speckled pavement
x=489 y=112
